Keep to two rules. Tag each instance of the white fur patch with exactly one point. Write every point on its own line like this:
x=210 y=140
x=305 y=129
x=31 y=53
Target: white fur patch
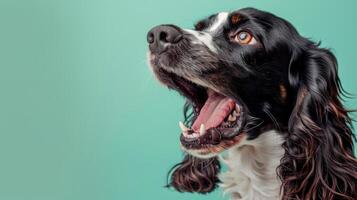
x=220 y=19
x=252 y=164
x=204 y=38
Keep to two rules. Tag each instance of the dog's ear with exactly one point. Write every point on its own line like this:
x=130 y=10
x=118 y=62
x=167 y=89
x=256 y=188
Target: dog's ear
x=319 y=161
x=195 y=175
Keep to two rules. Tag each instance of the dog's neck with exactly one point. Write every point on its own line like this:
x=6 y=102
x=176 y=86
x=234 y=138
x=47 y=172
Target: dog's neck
x=252 y=167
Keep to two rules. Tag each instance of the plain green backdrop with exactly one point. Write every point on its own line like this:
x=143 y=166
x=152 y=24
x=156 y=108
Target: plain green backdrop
x=81 y=115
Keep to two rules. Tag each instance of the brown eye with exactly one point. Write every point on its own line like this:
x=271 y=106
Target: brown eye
x=244 y=37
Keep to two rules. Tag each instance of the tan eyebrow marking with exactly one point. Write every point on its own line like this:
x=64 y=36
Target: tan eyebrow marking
x=283 y=92
x=235 y=18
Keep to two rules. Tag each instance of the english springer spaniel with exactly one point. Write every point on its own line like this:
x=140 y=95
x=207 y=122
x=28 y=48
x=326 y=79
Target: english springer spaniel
x=261 y=99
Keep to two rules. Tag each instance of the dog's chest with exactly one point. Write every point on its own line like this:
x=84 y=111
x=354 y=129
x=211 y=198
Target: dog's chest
x=251 y=173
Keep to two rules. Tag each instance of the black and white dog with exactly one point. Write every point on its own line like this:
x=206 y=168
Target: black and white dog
x=265 y=96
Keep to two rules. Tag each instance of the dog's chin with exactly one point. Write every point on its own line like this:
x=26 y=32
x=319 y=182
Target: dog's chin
x=210 y=151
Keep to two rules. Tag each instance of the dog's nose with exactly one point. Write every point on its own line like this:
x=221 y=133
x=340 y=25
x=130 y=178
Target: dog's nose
x=160 y=37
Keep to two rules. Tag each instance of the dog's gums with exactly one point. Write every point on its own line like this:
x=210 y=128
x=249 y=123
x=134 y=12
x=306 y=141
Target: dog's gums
x=218 y=121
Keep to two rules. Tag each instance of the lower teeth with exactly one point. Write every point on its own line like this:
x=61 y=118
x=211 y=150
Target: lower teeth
x=229 y=122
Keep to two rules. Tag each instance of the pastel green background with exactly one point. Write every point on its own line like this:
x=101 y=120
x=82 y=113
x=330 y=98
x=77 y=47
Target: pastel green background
x=81 y=116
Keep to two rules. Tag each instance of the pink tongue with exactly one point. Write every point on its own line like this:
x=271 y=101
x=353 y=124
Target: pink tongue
x=216 y=108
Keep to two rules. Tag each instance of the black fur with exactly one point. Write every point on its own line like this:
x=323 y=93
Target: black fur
x=285 y=82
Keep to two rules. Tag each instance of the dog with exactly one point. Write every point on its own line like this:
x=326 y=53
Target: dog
x=262 y=100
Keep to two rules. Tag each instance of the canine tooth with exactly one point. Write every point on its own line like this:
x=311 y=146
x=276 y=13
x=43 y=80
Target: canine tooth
x=232 y=117
x=183 y=127
x=202 y=129
x=235 y=113
x=237 y=108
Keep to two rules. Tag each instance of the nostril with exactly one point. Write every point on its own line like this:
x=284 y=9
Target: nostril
x=150 y=38
x=170 y=36
x=163 y=37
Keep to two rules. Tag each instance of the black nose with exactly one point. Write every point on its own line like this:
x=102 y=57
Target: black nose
x=160 y=37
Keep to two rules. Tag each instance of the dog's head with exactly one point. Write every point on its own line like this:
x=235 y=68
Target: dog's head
x=233 y=71
x=244 y=73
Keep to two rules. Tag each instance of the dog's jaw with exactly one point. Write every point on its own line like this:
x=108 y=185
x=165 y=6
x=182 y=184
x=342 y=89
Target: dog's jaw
x=252 y=167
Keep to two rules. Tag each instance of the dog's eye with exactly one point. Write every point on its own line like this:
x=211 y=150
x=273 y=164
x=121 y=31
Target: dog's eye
x=245 y=37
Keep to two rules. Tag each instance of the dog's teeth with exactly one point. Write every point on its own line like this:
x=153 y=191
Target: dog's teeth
x=193 y=135
x=183 y=127
x=202 y=129
x=237 y=108
x=235 y=113
x=185 y=134
x=232 y=117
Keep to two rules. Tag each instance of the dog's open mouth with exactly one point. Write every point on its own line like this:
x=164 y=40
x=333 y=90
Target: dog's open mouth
x=217 y=124
x=217 y=118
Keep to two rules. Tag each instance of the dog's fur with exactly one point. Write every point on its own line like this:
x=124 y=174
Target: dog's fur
x=296 y=142
x=252 y=168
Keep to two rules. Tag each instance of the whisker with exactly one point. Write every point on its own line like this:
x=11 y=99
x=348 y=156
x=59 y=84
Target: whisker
x=253 y=127
x=271 y=116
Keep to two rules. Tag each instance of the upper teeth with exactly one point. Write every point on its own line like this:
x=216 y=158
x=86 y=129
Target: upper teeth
x=237 y=108
x=232 y=117
x=202 y=129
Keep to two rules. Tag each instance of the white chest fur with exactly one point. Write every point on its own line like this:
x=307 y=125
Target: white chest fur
x=252 y=164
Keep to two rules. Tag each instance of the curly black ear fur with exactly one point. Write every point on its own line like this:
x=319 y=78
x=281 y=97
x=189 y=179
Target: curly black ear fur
x=319 y=161
x=195 y=175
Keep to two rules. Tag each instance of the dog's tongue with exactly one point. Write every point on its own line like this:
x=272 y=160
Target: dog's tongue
x=212 y=114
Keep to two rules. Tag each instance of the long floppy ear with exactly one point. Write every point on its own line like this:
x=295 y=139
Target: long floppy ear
x=195 y=175
x=319 y=161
